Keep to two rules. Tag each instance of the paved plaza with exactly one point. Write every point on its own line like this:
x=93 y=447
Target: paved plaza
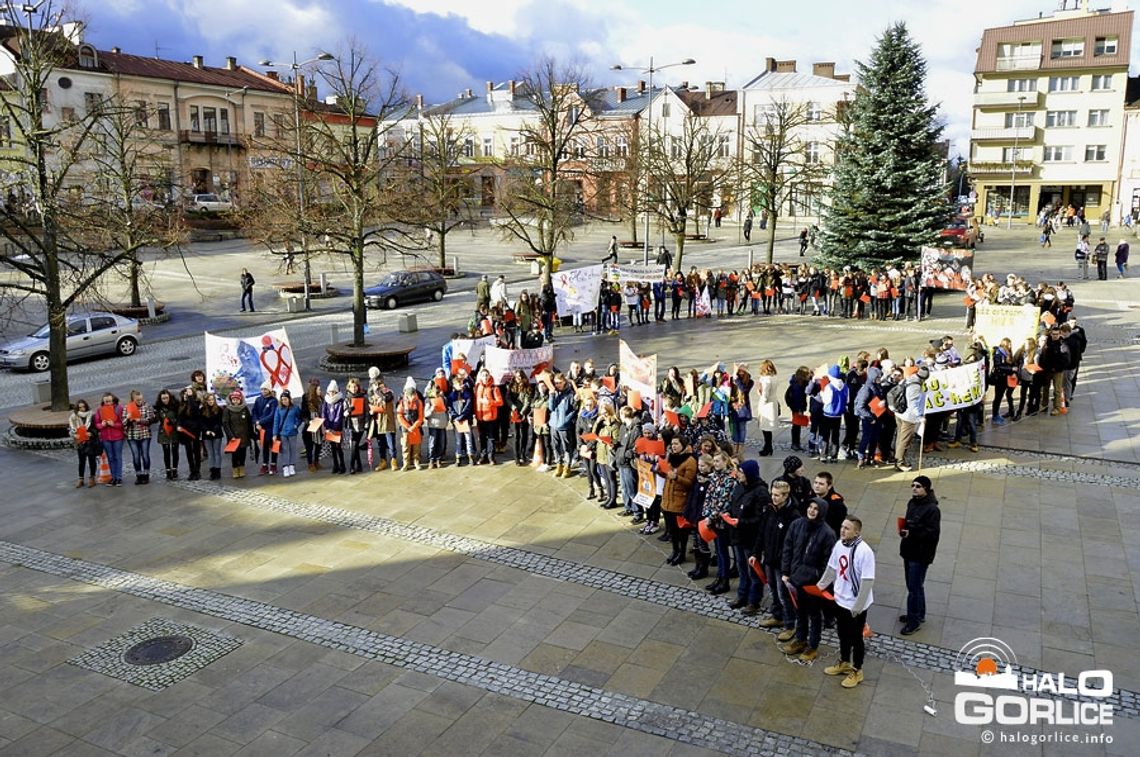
x=496 y=611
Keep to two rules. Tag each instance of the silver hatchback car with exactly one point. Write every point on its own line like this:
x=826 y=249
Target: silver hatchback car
x=88 y=334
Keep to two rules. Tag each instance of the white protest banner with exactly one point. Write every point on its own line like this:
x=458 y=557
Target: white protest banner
x=623 y=273
x=471 y=348
x=637 y=373
x=503 y=363
x=1014 y=322
x=243 y=363
x=576 y=290
x=955 y=387
x=704 y=306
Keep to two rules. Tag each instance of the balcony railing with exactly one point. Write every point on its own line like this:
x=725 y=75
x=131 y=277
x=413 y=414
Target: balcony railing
x=1011 y=100
x=209 y=138
x=1019 y=62
x=1007 y=134
x=1000 y=168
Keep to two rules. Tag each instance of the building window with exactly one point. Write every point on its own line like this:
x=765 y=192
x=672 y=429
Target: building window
x=1101 y=82
x=1057 y=153
x=603 y=148
x=164 y=116
x=1092 y=197
x=224 y=121
x=142 y=115
x=665 y=109
x=5 y=132
x=1094 y=153
x=1010 y=154
x=813 y=112
x=531 y=147
x=1098 y=118
x=573 y=112
x=87 y=57
x=623 y=146
x=724 y=145
x=1105 y=46
x=468 y=147
x=488 y=147
x=811 y=152
x=1067 y=48
x=92 y=102
x=579 y=149
x=210 y=120
x=195 y=119
x=675 y=148
x=258 y=124
x=280 y=128
x=1064 y=83
x=45 y=104
x=1024 y=118
x=515 y=145
x=1021 y=85
x=1062 y=118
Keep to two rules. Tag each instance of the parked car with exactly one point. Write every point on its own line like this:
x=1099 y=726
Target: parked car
x=209 y=203
x=88 y=334
x=960 y=233
x=402 y=287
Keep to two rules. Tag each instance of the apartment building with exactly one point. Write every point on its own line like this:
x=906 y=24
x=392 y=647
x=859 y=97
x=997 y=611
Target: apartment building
x=1048 y=116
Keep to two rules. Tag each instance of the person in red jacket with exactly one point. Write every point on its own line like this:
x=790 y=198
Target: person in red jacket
x=488 y=400
x=410 y=414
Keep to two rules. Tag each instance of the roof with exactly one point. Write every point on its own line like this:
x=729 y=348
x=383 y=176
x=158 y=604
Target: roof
x=1087 y=26
x=779 y=80
x=722 y=103
x=603 y=101
x=125 y=64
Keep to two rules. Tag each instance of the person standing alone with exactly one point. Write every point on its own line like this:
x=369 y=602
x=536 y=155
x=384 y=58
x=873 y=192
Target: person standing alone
x=852 y=569
x=247 y=283
x=920 y=533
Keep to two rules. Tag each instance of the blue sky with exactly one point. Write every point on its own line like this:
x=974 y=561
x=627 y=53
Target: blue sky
x=444 y=46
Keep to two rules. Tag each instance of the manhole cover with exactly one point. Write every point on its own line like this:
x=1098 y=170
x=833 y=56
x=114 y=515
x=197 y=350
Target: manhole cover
x=158 y=650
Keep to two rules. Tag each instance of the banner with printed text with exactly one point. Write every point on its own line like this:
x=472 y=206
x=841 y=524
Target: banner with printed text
x=503 y=363
x=637 y=373
x=1014 y=322
x=244 y=363
x=646 y=484
x=472 y=348
x=620 y=274
x=956 y=387
x=576 y=290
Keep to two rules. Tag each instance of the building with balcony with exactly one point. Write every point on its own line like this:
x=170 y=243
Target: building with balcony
x=1048 y=113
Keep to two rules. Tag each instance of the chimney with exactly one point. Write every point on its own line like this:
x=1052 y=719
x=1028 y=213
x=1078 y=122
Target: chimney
x=273 y=75
x=842 y=77
x=197 y=59
x=419 y=102
x=116 y=50
x=769 y=64
x=231 y=63
x=311 y=93
x=468 y=93
x=785 y=66
x=620 y=94
x=299 y=84
x=713 y=88
x=511 y=86
x=640 y=86
x=826 y=70
x=685 y=85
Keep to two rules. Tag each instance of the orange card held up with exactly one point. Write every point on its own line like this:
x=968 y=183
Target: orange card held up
x=232 y=445
x=609 y=383
x=332 y=437
x=865 y=299
x=815 y=591
x=107 y=413
x=663 y=467
x=635 y=400
x=133 y=412
x=1048 y=318
x=315 y=425
x=358 y=406
x=672 y=418
x=878 y=407
x=589 y=437
x=275 y=448
x=81 y=434
x=1033 y=367
x=704 y=411
x=437 y=405
x=800 y=419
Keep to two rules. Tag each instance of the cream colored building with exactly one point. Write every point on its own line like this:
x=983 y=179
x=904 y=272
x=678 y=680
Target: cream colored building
x=1048 y=115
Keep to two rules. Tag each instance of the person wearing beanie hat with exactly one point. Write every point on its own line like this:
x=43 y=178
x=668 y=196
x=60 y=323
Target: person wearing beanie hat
x=750 y=500
x=488 y=401
x=906 y=422
x=382 y=422
x=435 y=418
x=373 y=374
x=919 y=543
x=807 y=548
x=410 y=415
x=264 y=411
x=358 y=420
x=332 y=413
x=237 y=423
x=800 y=487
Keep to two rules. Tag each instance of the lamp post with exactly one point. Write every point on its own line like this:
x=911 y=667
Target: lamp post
x=1013 y=160
x=297 y=95
x=651 y=70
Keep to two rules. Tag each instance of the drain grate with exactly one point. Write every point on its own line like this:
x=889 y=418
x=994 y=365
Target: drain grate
x=158 y=650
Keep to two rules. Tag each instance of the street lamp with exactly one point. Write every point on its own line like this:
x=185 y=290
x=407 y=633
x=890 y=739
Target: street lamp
x=297 y=94
x=651 y=70
x=1013 y=160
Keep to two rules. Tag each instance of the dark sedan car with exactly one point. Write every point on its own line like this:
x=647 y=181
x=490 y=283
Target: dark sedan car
x=403 y=287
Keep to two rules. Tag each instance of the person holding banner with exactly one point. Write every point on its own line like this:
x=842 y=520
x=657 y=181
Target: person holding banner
x=333 y=414
x=81 y=427
x=237 y=423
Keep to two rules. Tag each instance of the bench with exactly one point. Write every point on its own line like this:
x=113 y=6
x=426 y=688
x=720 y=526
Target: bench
x=525 y=257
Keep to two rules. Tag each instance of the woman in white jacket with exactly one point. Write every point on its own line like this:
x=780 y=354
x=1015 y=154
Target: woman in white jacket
x=767 y=406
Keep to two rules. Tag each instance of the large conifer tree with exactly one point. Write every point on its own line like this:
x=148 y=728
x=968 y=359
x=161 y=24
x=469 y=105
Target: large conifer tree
x=888 y=198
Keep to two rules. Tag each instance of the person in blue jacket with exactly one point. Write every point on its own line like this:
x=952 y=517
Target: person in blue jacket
x=833 y=395
x=332 y=413
x=286 y=430
x=264 y=411
x=461 y=410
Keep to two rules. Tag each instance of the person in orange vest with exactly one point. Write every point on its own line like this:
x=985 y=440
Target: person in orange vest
x=488 y=400
x=410 y=414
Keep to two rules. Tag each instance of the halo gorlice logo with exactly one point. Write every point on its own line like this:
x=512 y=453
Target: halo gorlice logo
x=989 y=663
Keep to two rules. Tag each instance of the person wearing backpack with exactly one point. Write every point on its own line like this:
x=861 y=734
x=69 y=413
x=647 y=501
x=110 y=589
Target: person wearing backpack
x=906 y=401
x=1081 y=255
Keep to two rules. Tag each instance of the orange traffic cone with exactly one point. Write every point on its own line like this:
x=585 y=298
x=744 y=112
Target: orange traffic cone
x=104 y=469
x=536 y=459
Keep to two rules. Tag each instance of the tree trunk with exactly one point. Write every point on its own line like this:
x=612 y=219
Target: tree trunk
x=359 y=313
x=771 y=234
x=679 y=240
x=633 y=226
x=136 y=274
x=57 y=352
x=442 y=250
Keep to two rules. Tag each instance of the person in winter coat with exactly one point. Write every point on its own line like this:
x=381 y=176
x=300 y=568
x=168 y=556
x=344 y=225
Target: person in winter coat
x=358 y=419
x=461 y=410
x=212 y=434
x=563 y=416
x=264 y=411
x=919 y=543
x=587 y=419
x=81 y=428
x=1003 y=367
x=410 y=414
x=1055 y=359
x=1075 y=338
x=795 y=397
x=520 y=399
x=722 y=484
x=435 y=418
x=807 y=549
x=679 y=479
x=333 y=413
x=750 y=501
x=740 y=408
x=311 y=408
x=769 y=549
x=694 y=507
x=624 y=451
x=237 y=422
x=190 y=432
x=906 y=423
x=833 y=395
x=382 y=409
x=799 y=487
x=138 y=417
x=286 y=430
x=165 y=412
x=488 y=401
x=767 y=407
x=109 y=423
x=870 y=424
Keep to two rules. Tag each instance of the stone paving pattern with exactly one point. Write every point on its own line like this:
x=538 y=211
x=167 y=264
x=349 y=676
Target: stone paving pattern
x=445 y=568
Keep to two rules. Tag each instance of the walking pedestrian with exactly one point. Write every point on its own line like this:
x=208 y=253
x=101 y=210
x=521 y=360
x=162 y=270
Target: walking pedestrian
x=919 y=534
x=247 y=283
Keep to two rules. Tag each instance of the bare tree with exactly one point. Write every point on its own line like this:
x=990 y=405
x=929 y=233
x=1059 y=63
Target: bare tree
x=443 y=190
x=684 y=172
x=541 y=193
x=629 y=183
x=778 y=162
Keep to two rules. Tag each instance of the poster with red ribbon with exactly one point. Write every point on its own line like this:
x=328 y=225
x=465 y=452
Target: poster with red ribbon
x=245 y=363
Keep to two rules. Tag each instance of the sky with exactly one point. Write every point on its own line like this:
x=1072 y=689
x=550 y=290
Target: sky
x=441 y=47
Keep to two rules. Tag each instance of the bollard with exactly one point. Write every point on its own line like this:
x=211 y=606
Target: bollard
x=751 y=253
x=150 y=305
x=455 y=265
x=323 y=280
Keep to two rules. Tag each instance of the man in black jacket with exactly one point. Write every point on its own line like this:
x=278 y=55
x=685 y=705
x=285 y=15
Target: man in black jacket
x=1055 y=360
x=919 y=542
x=793 y=475
x=807 y=549
x=1075 y=338
x=769 y=550
x=747 y=507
